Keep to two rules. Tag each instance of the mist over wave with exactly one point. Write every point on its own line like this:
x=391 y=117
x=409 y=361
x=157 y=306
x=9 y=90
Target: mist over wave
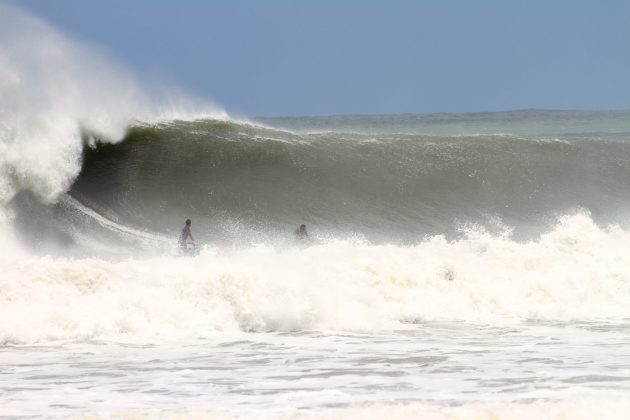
x=55 y=95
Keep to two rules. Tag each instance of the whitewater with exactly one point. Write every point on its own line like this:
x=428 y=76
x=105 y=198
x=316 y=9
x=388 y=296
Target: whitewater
x=460 y=265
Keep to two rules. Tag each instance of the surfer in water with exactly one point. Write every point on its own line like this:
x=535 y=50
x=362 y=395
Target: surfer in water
x=300 y=234
x=183 y=238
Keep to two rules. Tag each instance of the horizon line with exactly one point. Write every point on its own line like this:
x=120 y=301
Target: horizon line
x=427 y=114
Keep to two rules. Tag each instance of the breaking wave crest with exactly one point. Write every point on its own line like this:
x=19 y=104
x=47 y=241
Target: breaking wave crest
x=56 y=94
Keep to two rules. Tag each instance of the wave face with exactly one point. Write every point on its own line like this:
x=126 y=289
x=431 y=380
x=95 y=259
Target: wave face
x=244 y=183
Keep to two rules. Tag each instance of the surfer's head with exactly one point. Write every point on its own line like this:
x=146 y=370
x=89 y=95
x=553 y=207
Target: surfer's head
x=188 y=222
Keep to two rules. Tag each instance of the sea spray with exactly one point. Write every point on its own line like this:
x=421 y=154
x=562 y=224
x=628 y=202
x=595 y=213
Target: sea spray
x=54 y=88
x=56 y=93
x=57 y=97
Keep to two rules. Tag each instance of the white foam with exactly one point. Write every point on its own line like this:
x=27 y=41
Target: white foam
x=575 y=408
x=52 y=91
x=576 y=271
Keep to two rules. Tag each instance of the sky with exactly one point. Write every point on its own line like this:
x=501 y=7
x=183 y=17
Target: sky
x=299 y=57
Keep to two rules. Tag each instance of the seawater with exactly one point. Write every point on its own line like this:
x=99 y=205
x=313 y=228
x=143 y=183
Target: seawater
x=460 y=265
x=479 y=327
x=429 y=370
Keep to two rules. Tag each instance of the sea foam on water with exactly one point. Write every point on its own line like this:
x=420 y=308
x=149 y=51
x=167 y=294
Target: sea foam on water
x=577 y=271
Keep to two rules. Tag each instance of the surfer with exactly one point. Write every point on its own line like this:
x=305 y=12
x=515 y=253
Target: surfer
x=183 y=238
x=300 y=234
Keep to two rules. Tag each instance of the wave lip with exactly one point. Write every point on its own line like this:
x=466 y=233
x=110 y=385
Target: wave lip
x=56 y=94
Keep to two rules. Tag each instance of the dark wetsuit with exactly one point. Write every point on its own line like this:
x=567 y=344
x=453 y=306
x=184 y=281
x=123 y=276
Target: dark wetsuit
x=184 y=236
x=301 y=235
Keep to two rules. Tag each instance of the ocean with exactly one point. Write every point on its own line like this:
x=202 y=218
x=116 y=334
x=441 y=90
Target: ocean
x=459 y=265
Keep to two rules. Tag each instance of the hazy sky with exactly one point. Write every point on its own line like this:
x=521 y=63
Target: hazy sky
x=292 y=57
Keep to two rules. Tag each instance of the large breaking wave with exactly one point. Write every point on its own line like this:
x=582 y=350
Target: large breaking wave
x=407 y=228
x=56 y=96
x=245 y=183
x=447 y=217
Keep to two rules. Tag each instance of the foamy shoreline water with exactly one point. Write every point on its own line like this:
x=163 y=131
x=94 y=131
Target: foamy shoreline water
x=582 y=408
x=439 y=370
